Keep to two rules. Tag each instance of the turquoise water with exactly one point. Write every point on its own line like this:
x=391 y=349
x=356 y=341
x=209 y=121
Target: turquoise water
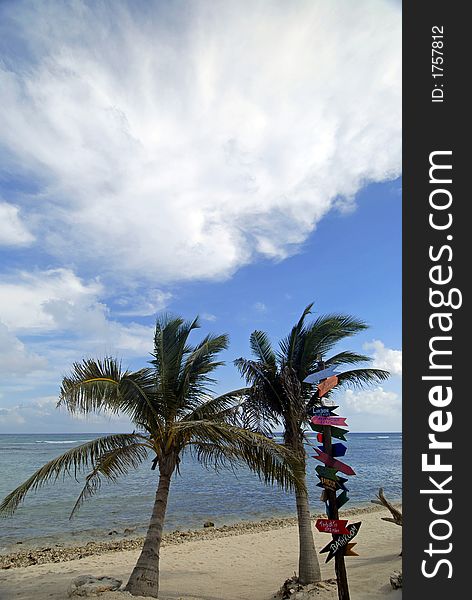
x=196 y=496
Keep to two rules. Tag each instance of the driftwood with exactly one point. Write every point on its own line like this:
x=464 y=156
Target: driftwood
x=396 y=514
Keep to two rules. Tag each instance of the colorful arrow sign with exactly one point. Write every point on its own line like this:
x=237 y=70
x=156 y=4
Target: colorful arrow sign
x=326 y=385
x=340 y=543
x=333 y=526
x=319 y=375
x=329 y=421
x=332 y=462
x=336 y=432
x=336 y=449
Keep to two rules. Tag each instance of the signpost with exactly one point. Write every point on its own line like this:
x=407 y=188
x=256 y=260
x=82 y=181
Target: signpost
x=323 y=421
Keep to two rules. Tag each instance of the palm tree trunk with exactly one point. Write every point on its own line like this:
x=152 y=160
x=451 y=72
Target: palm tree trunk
x=308 y=564
x=144 y=580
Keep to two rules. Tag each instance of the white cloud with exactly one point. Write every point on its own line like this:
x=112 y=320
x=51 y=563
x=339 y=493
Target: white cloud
x=372 y=402
x=15 y=359
x=183 y=145
x=208 y=317
x=13 y=232
x=385 y=358
x=260 y=307
x=43 y=415
x=143 y=303
x=63 y=319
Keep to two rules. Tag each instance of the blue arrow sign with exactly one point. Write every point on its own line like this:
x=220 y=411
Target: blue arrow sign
x=322 y=411
x=337 y=449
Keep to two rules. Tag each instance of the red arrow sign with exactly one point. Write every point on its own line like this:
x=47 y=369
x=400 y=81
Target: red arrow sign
x=333 y=526
x=335 y=464
x=329 y=421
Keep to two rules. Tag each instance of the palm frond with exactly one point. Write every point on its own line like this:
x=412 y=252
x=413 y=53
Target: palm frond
x=219 y=407
x=70 y=463
x=289 y=347
x=272 y=462
x=92 y=386
x=346 y=358
x=262 y=349
x=359 y=378
x=96 y=385
x=170 y=347
x=200 y=362
x=110 y=466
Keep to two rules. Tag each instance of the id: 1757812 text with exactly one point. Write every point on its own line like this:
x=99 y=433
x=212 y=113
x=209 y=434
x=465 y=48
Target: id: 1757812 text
x=437 y=63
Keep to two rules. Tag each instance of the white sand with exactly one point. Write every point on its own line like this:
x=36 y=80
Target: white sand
x=251 y=566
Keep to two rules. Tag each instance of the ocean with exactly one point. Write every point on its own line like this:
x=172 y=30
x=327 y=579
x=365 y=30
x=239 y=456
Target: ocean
x=197 y=495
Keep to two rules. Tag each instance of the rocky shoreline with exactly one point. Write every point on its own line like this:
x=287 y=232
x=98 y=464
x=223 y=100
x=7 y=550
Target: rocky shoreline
x=58 y=554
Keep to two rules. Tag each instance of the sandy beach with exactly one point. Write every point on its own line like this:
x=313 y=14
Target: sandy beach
x=249 y=563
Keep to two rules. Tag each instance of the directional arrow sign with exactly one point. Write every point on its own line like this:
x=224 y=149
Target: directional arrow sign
x=329 y=421
x=332 y=462
x=326 y=385
x=328 y=484
x=319 y=375
x=339 y=544
x=336 y=432
x=342 y=499
x=349 y=551
x=336 y=449
x=321 y=411
x=333 y=526
x=327 y=472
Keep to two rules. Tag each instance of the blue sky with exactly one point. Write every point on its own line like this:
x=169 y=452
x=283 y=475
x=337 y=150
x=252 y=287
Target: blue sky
x=202 y=159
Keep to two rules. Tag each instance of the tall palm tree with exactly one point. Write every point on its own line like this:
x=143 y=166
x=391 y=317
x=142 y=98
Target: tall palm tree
x=170 y=406
x=279 y=397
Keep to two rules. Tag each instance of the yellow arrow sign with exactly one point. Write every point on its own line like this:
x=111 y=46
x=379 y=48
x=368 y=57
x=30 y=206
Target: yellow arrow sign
x=349 y=551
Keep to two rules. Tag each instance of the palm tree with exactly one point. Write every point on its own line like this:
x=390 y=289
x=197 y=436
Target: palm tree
x=279 y=396
x=170 y=406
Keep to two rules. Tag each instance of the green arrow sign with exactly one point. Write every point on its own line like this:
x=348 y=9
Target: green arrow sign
x=342 y=499
x=327 y=472
x=336 y=432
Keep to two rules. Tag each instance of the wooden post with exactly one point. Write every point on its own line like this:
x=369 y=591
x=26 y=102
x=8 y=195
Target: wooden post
x=340 y=566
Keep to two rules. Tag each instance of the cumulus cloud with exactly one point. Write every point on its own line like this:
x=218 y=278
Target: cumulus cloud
x=372 y=402
x=15 y=358
x=184 y=141
x=64 y=319
x=13 y=232
x=385 y=358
